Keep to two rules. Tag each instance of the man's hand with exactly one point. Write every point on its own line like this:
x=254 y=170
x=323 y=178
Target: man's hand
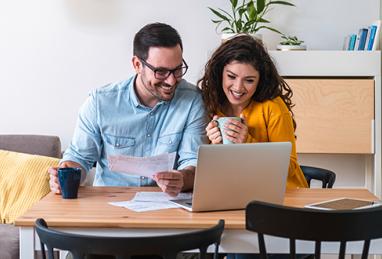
x=53 y=175
x=173 y=182
x=170 y=182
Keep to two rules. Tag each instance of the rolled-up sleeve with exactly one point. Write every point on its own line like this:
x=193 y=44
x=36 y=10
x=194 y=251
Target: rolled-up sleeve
x=85 y=147
x=193 y=135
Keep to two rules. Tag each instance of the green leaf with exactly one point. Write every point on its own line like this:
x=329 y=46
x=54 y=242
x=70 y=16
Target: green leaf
x=238 y=26
x=219 y=14
x=281 y=2
x=263 y=20
x=228 y=29
x=228 y=15
x=260 y=5
x=234 y=3
x=251 y=10
x=268 y=28
x=216 y=21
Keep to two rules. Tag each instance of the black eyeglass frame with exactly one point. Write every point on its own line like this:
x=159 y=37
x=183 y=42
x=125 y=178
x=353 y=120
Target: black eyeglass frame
x=183 y=68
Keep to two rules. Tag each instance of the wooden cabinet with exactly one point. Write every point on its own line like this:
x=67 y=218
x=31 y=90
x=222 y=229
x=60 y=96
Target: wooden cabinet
x=338 y=112
x=334 y=115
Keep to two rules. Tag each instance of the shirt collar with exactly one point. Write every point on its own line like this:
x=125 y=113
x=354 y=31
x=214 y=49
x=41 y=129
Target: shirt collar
x=135 y=100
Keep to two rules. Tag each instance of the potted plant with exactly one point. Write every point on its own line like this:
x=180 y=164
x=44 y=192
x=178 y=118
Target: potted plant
x=291 y=43
x=245 y=17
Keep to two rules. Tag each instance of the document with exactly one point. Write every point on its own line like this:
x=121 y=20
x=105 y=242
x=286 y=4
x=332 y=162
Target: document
x=143 y=166
x=148 y=201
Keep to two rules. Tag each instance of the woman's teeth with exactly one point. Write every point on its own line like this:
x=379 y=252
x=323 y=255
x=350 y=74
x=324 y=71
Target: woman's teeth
x=237 y=94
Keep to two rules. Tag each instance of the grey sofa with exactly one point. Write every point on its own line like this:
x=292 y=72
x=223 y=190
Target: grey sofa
x=31 y=144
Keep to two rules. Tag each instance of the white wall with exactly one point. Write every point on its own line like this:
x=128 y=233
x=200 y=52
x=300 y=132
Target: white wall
x=53 y=52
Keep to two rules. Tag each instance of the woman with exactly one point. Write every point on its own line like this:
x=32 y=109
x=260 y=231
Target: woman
x=240 y=80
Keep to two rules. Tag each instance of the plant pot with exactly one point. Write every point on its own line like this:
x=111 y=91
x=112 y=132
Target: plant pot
x=227 y=36
x=291 y=47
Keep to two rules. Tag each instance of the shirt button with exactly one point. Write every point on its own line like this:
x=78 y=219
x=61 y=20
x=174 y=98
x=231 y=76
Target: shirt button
x=151 y=114
x=148 y=135
x=142 y=177
x=117 y=145
x=170 y=142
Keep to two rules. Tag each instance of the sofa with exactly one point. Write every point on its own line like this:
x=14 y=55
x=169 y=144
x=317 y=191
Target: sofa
x=31 y=144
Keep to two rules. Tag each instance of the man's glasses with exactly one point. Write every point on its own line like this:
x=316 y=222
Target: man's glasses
x=163 y=73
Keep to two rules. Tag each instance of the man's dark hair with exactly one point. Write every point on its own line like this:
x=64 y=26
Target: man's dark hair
x=155 y=35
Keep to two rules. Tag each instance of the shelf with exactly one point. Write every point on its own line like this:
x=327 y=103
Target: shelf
x=328 y=63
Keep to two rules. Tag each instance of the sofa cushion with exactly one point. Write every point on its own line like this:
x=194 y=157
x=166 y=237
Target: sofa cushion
x=23 y=181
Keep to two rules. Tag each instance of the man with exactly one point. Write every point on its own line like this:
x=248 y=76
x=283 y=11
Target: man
x=151 y=113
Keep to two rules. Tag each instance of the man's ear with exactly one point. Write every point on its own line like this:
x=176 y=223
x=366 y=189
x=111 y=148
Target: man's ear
x=137 y=64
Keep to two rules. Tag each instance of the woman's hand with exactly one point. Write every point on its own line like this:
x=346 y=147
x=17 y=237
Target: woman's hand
x=213 y=132
x=236 y=131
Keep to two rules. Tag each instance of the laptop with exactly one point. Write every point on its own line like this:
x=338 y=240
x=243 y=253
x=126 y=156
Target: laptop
x=229 y=176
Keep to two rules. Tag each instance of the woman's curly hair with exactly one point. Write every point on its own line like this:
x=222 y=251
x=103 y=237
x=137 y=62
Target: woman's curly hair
x=244 y=49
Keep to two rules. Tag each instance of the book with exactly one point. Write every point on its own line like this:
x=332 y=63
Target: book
x=362 y=39
x=367 y=37
x=374 y=39
x=345 y=46
x=344 y=204
x=352 y=42
x=376 y=36
x=373 y=30
x=357 y=39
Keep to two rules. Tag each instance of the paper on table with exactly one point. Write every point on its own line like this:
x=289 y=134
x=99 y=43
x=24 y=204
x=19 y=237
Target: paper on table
x=160 y=196
x=144 y=166
x=141 y=206
x=147 y=201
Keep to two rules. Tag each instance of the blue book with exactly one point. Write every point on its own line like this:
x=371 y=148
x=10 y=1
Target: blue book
x=353 y=37
x=362 y=39
x=372 y=36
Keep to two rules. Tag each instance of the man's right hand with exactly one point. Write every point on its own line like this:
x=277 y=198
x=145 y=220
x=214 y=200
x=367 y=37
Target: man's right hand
x=53 y=175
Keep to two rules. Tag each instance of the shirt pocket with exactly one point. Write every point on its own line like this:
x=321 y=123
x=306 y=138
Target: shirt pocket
x=118 y=144
x=168 y=143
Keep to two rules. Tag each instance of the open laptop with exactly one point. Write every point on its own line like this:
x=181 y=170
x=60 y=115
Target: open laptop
x=229 y=176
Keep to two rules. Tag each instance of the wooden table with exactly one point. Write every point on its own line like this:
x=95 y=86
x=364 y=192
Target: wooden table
x=91 y=214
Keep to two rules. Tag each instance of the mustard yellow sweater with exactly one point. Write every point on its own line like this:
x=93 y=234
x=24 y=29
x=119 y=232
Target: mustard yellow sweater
x=270 y=121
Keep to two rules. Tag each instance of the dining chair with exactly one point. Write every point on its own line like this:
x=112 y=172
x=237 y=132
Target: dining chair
x=313 y=225
x=166 y=246
x=326 y=176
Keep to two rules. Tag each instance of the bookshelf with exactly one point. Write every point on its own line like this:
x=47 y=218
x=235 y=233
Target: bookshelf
x=346 y=84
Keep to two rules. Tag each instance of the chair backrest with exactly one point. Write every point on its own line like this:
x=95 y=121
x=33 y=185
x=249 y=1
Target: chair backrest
x=326 y=176
x=314 y=225
x=167 y=246
x=32 y=144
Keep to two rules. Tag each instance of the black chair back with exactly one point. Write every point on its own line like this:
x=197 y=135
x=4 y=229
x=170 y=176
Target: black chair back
x=326 y=176
x=314 y=225
x=166 y=246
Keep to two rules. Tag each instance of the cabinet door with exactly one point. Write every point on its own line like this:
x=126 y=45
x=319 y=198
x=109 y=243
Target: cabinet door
x=334 y=115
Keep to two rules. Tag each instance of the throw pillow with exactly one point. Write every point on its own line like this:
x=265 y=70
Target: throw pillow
x=23 y=181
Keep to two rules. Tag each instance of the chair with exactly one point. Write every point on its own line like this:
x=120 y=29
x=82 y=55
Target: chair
x=301 y=223
x=123 y=247
x=326 y=176
x=31 y=144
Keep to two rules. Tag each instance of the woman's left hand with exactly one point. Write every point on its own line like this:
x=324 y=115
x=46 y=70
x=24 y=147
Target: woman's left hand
x=237 y=131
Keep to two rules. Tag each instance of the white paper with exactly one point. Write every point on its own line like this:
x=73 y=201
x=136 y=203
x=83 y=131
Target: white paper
x=143 y=166
x=160 y=196
x=147 y=201
x=141 y=206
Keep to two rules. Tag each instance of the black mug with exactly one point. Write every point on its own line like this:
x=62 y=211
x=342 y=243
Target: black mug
x=69 y=179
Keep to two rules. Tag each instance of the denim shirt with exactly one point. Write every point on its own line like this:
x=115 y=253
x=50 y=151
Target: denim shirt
x=112 y=121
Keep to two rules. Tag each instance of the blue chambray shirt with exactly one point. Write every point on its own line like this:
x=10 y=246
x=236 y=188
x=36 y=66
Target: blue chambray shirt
x=112 y=121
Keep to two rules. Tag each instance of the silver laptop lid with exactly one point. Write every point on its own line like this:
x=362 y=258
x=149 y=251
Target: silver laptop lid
x=229 y=176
